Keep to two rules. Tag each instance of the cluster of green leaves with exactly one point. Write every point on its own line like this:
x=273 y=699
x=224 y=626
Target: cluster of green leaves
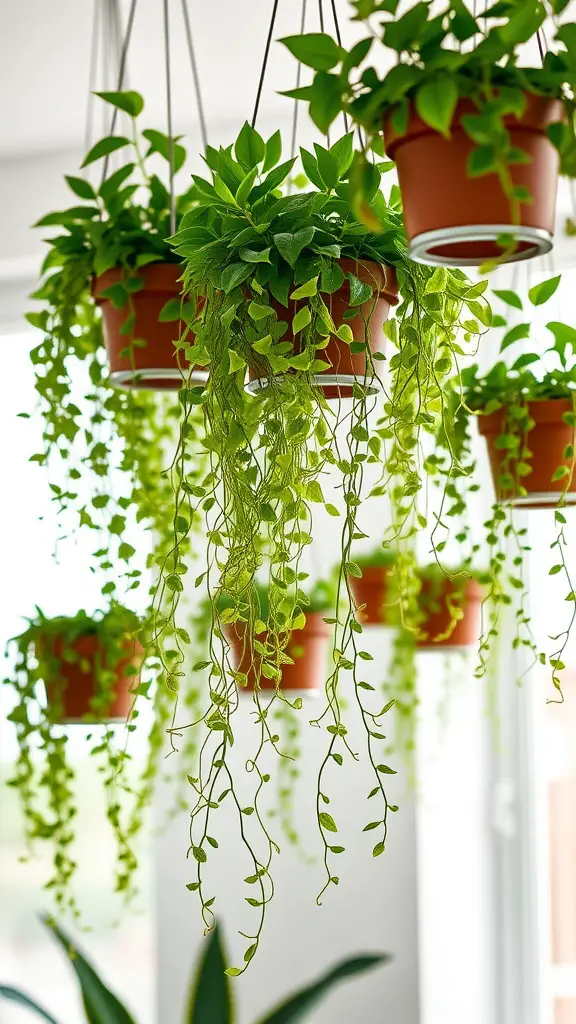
x=442 y=55
x=210 y=1000
x=44 y=774
x=260 y=267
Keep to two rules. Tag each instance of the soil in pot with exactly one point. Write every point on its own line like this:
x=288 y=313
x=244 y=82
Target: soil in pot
x=308 y=647
x=156 y=365
x=546 y=441
x=454 y=220
x=367 y=326
x=74 y=684
x=437 y=627
x=372 y=591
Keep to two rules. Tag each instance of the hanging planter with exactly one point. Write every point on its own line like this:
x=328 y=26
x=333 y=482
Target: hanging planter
x=83 y=683
x=307 y=648
x=371 y=590
x=448 y=611
x=348 y=361
x=69 y=670
x=142 y=326
x=478 y=139
x=536 y=469
x=454 y=218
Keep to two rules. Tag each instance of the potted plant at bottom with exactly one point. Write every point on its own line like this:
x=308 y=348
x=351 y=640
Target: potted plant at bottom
x=210 y=1000
x=477 y=138
x=79 y=669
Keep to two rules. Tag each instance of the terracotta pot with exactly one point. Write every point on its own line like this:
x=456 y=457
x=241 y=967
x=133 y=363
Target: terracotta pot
x=438 y=619
x=452 y=219
x=546 y=441
x=308 y=647
x=157 y=366
x=372 y=592
x=74 y=689
x=345 y=364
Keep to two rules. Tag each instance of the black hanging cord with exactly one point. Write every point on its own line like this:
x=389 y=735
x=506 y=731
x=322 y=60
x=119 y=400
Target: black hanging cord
x=264 y=63
x=321 y=15
x=195 y=75
x=169 y=116
x=298 y=80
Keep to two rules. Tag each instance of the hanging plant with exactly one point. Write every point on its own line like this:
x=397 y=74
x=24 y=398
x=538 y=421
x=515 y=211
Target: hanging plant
x=373 y=591
x=448 y=608
x=526 y=411
x=477 y=138
x=262 y=269
x=80 y=669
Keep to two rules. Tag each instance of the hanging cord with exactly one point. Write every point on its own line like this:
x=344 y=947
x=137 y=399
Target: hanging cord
x=195 y=75
x=296 y=102
x=92 y=75
x=169 y=117
x=265 y=62
x=339 y=41
x=121 y=73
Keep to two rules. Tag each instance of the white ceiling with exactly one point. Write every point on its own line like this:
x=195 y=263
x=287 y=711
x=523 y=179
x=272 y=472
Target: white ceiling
x=45 y=58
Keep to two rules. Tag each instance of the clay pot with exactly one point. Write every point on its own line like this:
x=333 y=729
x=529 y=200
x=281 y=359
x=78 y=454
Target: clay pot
x=156 y=366
x=367 y=325
x=546 y=441
x=73 y=689
x=454 y=220
x=308 y=647
x=438 y=620
x=372 y=592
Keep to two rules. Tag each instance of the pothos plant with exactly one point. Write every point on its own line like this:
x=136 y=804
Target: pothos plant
x=82 y=668
x=260 y=268
x=441 y=54
x=506 y=402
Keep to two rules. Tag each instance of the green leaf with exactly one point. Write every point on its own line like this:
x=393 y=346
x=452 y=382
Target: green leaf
x=515 y=334
x=236 y=361
x=353 y=569
x=301 y=319
x=130 y=102
x=290 y=245
x=250 y=148
x=436 y=102
x=245 y=187
x=360 y=291
x=233 y=275
x=14 y=996
x=437 y=282
x=253 y=256
x=540 y=293
x=104 y=147
x=160 y=143
x=101 y=1006
x=297 y=1007
x=510 y=298
x=306 y=290
x=210 y=1000
x=273 y=151
x=315 y=49
x=327 y=821
x=80 y=187
x=482 y=160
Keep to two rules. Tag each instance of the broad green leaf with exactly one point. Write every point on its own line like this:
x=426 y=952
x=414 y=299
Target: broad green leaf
x=306 y=290
x=437 y=281
x=250 y=148
x=297 y=1008
x=360 y=291
x=540 y=293
x=245 y=186
x=273 y=151
x=463 y=24
x=315 y=49
x=301 y=319
x=14 y=996
x=130 y=102
x=80 y=187
x=326 y=100
x=290 y=245
x=510 y=298
x=160 y=143
x=436 y=102
x=104 y=147
x=252 y=256
x=515 y=334
x=236 y=361
x=210 y=1000
x=100 y=1004
x=233 y=275
x=327 y=821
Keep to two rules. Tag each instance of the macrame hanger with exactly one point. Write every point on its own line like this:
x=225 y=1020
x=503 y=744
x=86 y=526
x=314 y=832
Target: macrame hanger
x=169 y=117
